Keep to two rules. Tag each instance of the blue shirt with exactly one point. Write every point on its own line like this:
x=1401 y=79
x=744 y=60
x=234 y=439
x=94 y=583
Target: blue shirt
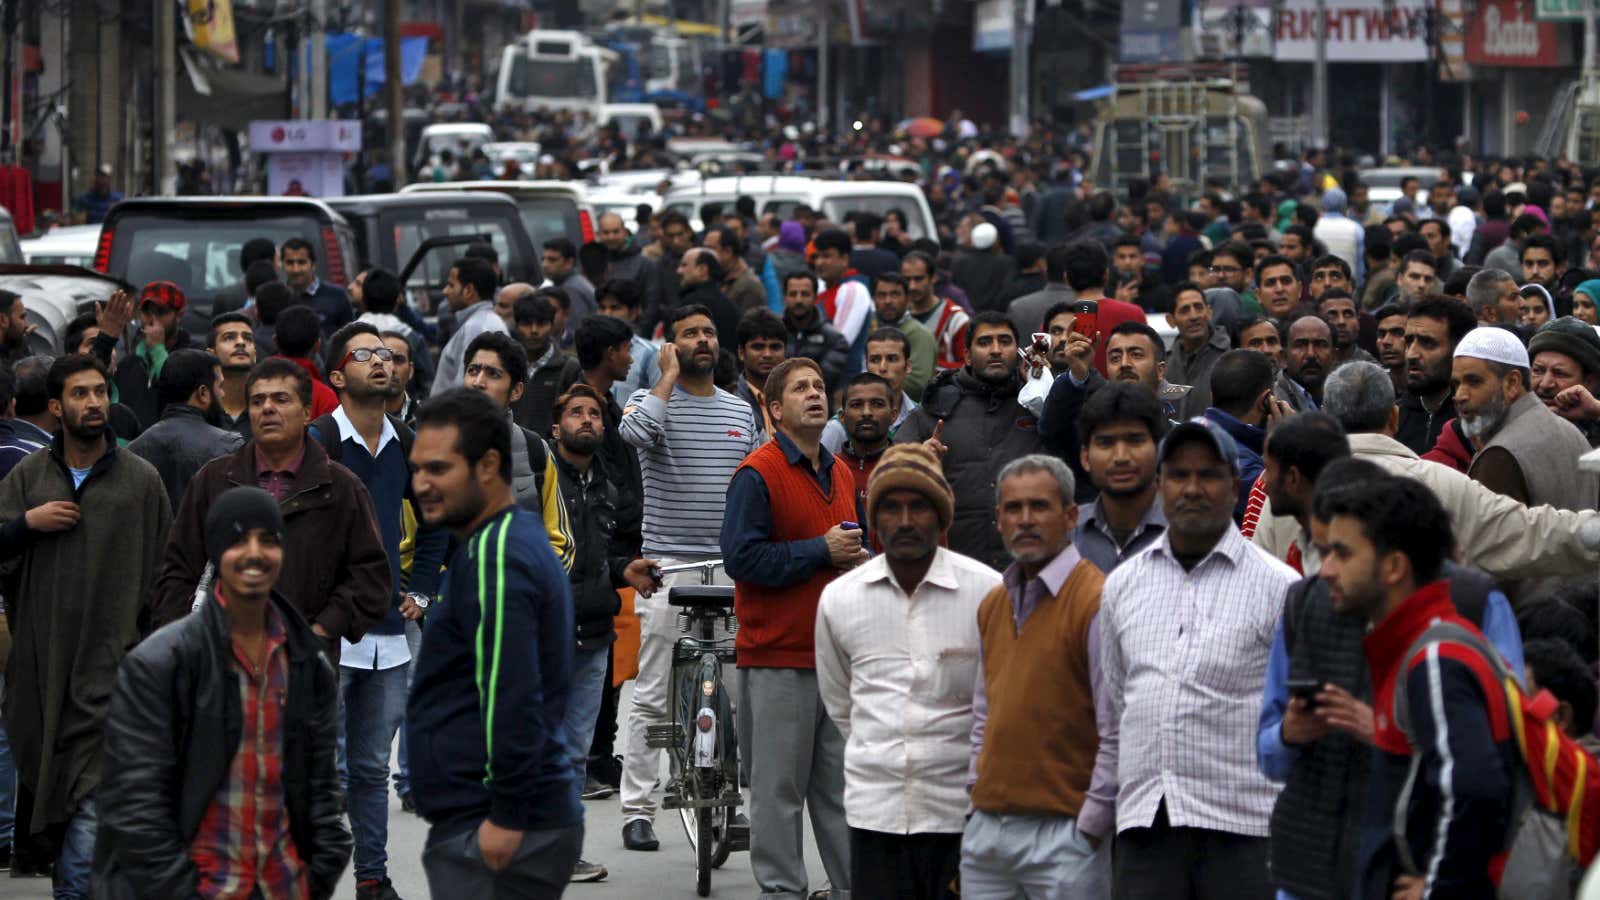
x=78 y=475
x=748 y=554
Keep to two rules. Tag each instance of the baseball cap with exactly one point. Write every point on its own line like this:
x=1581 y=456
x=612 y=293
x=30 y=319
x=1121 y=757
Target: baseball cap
x=1204 y=429
x=163 y=293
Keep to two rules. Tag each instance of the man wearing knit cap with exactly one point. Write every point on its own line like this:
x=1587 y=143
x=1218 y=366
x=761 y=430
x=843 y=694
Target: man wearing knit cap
x=1565 y=370
x=897 y=649
x=181 y=754
x=1521 y=448
x=786 y=534
x=1043 y=782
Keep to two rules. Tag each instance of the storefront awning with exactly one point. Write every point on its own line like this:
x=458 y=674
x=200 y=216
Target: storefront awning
x=227 y=98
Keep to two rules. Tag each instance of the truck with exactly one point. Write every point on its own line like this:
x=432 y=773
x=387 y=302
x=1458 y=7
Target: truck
x=1189 y=121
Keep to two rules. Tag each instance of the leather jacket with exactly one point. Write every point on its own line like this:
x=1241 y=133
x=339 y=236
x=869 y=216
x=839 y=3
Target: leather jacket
x=181 y=444
x=170 y=737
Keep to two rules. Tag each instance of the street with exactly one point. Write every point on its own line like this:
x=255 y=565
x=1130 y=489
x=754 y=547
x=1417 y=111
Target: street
x=666 y=873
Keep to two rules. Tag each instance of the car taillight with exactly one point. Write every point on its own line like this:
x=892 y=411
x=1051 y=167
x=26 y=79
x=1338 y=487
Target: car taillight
x=585 y=225
x=330 y=249
x=102 y=252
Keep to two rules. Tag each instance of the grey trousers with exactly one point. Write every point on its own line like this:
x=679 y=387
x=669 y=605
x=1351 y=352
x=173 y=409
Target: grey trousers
x=1036 y=857
x=539 y=870
x=796 y=757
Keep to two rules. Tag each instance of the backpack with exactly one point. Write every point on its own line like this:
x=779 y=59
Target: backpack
x=1554 y=828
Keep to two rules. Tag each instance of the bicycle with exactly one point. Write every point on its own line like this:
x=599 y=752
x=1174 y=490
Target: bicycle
x=700 y=740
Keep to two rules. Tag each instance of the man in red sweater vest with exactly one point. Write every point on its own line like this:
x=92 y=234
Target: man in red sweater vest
x=787 y=531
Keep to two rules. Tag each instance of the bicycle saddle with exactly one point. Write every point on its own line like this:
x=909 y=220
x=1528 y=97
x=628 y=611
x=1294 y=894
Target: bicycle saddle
x=701 y=596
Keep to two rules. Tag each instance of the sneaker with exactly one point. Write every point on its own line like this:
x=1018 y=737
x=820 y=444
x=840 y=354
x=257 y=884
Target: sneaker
x=588 y=871
x=594 y=789
x=375 y=889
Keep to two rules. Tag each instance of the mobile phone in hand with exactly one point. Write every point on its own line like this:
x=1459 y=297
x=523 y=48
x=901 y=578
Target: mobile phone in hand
x=1306 y=689
x=1086 y=317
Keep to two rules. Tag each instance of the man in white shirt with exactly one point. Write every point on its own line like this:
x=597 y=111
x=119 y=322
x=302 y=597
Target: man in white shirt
x=1186 y=630
x=897 y=654
x=1043 y=782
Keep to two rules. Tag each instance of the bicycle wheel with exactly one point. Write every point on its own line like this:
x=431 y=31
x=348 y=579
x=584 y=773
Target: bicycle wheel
x=703 y=851
x=721 y=818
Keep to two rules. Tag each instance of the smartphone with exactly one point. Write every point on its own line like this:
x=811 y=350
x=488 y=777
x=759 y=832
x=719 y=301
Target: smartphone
x=1306 y=689
x=1086 y=317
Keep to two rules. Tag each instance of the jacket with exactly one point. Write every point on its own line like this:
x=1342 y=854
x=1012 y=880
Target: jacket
x=1419 y=429
x=1194 y=370
x=817 y=340
x=171 y=736
x=983 y=275
x=134 y=383
x=1493 y=532
x=548 y=378
x=1250 y=439
x=724 y=313
x=180 y=444
x=985 y=428
x=490 y=688
x=599 y=560
x=335 y=571
x=331 y=303
x=1452 y=449
x=634 y=266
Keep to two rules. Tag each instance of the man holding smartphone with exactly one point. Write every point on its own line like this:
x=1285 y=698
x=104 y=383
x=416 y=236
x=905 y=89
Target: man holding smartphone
x=787 y=532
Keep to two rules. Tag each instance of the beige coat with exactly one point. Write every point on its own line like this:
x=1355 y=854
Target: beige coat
x=1495 y=533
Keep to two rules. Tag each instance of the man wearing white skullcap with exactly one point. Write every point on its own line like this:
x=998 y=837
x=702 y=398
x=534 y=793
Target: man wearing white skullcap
x=1521 y=448
x=982 y=269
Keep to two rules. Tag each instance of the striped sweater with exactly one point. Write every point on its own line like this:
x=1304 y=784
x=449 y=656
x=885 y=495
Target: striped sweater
x=688 y=450
x=490 y=690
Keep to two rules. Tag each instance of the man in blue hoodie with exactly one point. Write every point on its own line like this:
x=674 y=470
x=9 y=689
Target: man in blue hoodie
x=484 y=721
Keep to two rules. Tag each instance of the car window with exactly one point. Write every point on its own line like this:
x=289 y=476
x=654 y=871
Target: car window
x=410 y=227
x=783 y=209
x=834 y=208
x=550 y=217
x=199 y=255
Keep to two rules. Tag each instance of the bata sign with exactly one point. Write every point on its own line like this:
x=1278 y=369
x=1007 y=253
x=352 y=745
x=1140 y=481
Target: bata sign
x=1358 y=31
x=1505 y=34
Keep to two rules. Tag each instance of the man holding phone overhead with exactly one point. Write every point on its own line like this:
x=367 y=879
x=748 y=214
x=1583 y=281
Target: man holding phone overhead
x=787 y=532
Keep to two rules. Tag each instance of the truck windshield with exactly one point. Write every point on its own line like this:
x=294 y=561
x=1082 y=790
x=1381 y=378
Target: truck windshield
x=559 y=78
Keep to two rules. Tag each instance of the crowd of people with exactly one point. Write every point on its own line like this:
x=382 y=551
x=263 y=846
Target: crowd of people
x=1033 y=599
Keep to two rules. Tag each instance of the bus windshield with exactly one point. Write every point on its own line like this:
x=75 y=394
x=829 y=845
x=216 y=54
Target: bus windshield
x=563 y=78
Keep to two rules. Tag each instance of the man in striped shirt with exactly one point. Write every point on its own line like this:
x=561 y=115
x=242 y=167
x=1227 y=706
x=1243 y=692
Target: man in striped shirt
x=691 y=436
x=1186 y=629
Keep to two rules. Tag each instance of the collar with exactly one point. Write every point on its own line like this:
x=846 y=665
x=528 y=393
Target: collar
x=940 y=574
x=1374 y=444
x=1231 y=546
x=1249 y=435
x=849 y=273
x=1054 y=574
x=294 y=465
x=44 y=436
x=1153 y=516
x=313 y=287
x=348 y=432
x=58 y=449
x=1390 y=638
x=276 y=632
x=549 y=354
x=791 y=452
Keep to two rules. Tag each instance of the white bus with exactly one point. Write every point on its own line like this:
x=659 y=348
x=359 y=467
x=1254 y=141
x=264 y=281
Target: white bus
x=553 y=70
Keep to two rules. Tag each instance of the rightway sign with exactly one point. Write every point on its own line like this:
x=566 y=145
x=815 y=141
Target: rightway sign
x=1558 y=10
x=1358 y=31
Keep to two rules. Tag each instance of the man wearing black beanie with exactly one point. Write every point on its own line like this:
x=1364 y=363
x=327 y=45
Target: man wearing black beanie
x=174 y=729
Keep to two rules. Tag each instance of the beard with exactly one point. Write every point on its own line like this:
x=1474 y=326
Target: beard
x=583 y=443
x=364 y=390
x=75 y=427
x=536 y=348
x=1482 y=425
x=692 y=365
x=213 y=414
x=455 y=515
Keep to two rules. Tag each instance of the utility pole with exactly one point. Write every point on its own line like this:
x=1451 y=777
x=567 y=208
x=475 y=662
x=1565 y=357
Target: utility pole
x=394 y=91
x=166 y=119
x=822 y=66
x=318 y=67
x=1319 y=81
x=1021 y=41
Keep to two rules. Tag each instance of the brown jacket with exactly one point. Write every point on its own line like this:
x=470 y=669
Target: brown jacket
x=335 y=571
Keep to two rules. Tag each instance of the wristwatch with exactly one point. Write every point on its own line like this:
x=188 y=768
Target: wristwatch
x=421 y=600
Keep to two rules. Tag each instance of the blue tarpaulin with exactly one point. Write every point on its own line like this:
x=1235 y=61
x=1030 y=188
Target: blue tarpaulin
x=344 y=61
x=774 y=71
x=1094 y=93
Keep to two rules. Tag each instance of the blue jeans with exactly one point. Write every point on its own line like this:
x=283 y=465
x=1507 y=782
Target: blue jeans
x=8 y=781
x=583 y=706
x=75 y=864
x=374 y=702
x=402 y=778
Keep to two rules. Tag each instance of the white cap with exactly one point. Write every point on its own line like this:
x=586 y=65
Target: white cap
x=984 y=235
x=1516 y=187
x=1496 y=345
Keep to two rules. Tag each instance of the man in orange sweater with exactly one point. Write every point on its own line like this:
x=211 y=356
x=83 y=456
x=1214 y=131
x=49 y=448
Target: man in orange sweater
x=786 y=533
x=1043 y=784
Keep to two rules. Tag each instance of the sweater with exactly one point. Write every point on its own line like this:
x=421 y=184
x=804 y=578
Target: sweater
x=777 y=621
x=491 y=685
x=1037 y=757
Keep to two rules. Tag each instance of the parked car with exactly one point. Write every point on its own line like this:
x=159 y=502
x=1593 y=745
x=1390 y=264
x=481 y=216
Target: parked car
x=1383 y=184
x=54 y=295
x=389 y=227
x=460 y=138
x=194 y=242
x=10 y=250
x=782 y=193
x=66 y=245
x=549 y=209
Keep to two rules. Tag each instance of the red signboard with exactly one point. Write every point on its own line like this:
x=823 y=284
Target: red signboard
x=1504 y=33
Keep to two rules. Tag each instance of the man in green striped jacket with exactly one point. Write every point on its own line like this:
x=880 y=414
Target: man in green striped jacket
x=488 y=769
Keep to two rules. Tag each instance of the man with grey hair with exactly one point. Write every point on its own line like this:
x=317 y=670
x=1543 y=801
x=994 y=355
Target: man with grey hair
x=1521 y=448
x=1492 y=294
x=1505 y=538
x=1043 y=771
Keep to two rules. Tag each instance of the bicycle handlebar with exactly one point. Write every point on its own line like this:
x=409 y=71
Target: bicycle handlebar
x=707 y=565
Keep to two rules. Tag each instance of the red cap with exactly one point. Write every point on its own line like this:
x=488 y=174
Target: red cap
x=163 y=293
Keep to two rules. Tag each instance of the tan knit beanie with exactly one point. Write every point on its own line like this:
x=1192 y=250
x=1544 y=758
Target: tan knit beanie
x=911 y=467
